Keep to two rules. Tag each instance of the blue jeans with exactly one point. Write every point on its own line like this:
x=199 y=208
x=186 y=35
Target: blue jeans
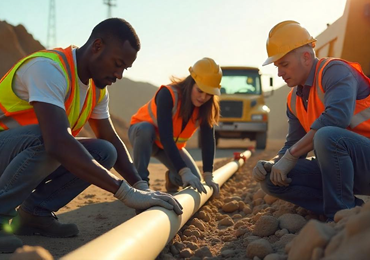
x=142 y=136
x=31 y=178
x=328 y=183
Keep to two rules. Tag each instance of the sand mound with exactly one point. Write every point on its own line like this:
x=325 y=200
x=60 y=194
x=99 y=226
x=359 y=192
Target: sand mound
x=120 y=125
x=127 y=96
x=15 y=43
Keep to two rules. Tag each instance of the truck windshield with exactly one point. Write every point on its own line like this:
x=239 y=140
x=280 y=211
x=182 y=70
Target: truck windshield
x=240 y=82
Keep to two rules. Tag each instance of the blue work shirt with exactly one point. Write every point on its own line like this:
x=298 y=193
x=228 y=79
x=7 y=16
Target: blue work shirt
x=343 y=85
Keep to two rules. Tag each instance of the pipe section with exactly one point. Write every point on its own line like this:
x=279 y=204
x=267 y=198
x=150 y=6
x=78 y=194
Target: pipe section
x=145 y=235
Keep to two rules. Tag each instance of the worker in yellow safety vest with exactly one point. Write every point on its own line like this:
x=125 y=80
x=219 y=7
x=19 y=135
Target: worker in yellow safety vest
x=45 y=100
x=328 y=112
x=162 y=127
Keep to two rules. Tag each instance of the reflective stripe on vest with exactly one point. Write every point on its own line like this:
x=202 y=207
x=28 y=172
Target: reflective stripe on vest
x=148 y=113
x=360 y=121
x=15 y=112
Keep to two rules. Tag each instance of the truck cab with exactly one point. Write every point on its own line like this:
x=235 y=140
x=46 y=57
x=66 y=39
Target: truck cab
x=244 y=113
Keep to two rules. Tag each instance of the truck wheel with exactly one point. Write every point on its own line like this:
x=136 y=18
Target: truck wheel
x=261 y=138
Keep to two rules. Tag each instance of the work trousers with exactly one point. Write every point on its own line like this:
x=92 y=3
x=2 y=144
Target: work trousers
x=142 y=136
x=31 y=178
x=328 y=183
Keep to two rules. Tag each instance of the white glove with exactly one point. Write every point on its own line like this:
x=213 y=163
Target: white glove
x=280 y=170
x=208 y=178
x=188 y=178
x=141 y=185
x=138 y=199
x=261 y=169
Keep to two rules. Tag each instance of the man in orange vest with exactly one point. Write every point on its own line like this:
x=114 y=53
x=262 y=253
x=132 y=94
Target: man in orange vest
x=45 y=99
x=327 y=111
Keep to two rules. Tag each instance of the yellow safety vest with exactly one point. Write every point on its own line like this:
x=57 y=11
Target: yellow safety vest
x=15 y=112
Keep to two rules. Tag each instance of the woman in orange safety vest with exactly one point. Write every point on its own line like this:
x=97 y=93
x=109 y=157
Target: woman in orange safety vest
x=162 y=127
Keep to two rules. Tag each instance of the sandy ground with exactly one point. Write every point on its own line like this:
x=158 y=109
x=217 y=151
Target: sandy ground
x=96 y=211
x=243 y=223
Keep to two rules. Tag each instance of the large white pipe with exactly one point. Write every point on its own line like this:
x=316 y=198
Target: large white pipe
x=145 y=235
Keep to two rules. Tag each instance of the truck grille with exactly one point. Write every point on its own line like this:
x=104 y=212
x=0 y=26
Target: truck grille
x=231 y=108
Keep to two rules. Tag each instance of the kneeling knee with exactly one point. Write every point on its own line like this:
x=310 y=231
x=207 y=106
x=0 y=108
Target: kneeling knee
x=145 y=130
x=271 y=189
x=108 y=154
x=267 y=186
x=324 y=137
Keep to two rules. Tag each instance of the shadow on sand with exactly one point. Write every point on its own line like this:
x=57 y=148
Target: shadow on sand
x=109 y=214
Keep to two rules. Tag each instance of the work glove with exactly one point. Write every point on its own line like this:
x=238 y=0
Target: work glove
x=140 y=200
x=261 y=169
x=189 y=179
x=280 y=169
x=208 y=178
x=141 y=185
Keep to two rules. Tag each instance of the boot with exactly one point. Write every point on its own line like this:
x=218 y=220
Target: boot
x=27 y=224
x=8 y=242
x=170 y=187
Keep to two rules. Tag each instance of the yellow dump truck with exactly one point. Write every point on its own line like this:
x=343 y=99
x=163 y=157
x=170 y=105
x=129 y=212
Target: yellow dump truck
x=243 y=110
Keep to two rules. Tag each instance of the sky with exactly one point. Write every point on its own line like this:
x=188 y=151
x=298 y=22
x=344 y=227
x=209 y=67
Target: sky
x=175 y=34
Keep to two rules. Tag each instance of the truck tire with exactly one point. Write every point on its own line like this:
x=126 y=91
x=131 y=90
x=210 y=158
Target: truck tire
x=261 y=138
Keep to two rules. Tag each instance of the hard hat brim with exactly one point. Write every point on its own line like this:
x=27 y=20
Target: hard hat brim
x=272 y=59
x=277 y=57
x=209 y=90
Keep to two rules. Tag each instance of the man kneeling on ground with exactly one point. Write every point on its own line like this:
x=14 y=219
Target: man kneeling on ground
x=45 y=100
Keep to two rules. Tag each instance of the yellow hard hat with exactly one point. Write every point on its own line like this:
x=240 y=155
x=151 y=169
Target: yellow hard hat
x=207 y=74
x=285 y=37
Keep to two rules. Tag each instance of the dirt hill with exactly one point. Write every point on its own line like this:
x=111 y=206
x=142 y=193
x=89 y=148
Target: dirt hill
x=127 y=96
x=119 y=124
x=15 y=43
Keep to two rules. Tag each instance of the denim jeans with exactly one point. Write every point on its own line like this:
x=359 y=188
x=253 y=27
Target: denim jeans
x=31 y=178
x=142 y=136
x=328 y=183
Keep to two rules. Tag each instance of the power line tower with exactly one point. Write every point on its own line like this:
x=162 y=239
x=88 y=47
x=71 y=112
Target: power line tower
x=51 y=36
x=110 y=4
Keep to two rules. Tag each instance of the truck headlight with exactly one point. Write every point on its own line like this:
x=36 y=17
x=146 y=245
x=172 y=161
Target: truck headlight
x=257 y=117
x=266 y=108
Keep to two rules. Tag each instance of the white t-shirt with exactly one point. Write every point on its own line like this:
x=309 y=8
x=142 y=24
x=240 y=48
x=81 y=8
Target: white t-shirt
x=42 y=79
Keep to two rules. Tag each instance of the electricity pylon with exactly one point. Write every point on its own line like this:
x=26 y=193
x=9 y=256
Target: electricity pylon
x=51 y=40
x=110 y=4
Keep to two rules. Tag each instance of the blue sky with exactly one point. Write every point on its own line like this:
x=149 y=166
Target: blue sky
x=174 y=34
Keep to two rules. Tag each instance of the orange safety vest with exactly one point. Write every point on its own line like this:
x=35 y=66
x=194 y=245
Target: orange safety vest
x=15 y=112
x=360 y=121
x=148 y=113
